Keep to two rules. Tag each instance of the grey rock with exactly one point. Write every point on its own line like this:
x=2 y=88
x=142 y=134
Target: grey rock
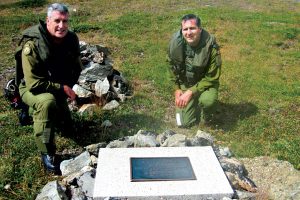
x=70 y=166
x=94 y=160
x=111 y=105
x=145 y=139
x=244 y=195
x=77 y=194
x=122 y=97
x=94 y=148
x=233 y=165
x=121 y=143
x=98 y=57
x=81 y=92
x=101 y=87
x=120 y=84
x=161 y=138
x=237 y=174
x=177 y=140
x=95 y=53
x=239 y=182
x=146 y=133
x=86 y=182
x=225 y=151
x=95 y=72
x=202 y=139
x=233 y=180
x=104 y=49
x=222 y=152
x=82 y=45
x=71 y=179
x=52 y=190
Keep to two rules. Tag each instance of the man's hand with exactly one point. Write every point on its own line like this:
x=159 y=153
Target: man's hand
x=182 y=98
x=69 y=92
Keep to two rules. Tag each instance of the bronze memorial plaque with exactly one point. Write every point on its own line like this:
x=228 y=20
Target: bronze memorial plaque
x=161 y=169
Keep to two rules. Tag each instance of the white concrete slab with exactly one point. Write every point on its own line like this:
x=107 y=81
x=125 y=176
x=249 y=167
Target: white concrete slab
x=113 y=178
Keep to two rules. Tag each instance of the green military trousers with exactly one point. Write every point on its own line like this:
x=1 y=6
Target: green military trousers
x=48 y=111
x=199 y=109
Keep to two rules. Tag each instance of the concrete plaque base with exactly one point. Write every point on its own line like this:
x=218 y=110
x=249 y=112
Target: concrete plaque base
x=113 y=176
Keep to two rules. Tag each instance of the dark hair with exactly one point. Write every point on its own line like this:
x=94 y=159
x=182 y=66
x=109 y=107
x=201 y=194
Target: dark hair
x=192 y=16
x=57 y=7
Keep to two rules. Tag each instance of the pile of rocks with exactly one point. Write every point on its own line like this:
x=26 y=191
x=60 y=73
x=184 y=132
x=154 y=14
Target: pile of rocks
x=99 y=83
x=79 y=173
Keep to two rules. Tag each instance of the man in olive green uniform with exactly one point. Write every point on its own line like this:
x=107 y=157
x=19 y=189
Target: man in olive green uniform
x=51 y=65
x=195 y=68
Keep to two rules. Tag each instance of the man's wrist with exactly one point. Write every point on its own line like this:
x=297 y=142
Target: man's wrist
x=190 y=91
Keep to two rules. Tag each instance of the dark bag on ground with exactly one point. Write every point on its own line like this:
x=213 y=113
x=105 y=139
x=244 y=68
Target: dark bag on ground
x=11 y=93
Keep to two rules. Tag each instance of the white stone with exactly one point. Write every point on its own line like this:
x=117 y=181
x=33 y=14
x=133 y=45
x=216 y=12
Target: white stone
x=111 y=105
x=71 y=177
x=87 y=109
x=94 y=160
x=102 y=87
x=81 y=92
x=7 y=186
x=70 y=166
x=52 y=190
x=113 y=178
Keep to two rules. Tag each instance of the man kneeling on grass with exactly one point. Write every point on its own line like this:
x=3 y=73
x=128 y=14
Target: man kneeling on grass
x=51 y=65
x=195 y=68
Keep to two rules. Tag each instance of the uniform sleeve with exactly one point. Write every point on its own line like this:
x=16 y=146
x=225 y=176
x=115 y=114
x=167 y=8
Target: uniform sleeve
x=175 y=59
x=171 y=74
x=212 y=75
x=36 y=77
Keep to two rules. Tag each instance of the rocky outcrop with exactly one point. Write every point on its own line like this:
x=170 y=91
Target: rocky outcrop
x=99 y=83
x=275 y=179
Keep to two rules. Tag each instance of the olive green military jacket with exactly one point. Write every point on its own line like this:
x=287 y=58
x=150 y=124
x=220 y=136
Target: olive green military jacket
x=195 y=69
x=45 y=65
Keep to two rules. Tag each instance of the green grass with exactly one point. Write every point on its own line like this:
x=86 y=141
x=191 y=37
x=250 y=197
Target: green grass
x=259 y=111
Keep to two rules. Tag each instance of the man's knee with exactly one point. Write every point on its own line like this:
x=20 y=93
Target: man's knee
x=208 y=99
x=45 y=101
x=44 y=106
x=208 y=102
x=47 y=105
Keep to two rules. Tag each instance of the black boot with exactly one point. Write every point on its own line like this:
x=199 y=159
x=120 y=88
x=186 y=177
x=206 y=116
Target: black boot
x=24 y=117
x=49 y=163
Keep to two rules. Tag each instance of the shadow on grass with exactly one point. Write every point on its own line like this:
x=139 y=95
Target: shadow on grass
x=130 y=124
x=92 y=131
x=24 y=4
x=228 y=115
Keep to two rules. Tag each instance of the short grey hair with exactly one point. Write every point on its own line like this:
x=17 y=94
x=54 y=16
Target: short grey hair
x=57 y=7
x=192 y=16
